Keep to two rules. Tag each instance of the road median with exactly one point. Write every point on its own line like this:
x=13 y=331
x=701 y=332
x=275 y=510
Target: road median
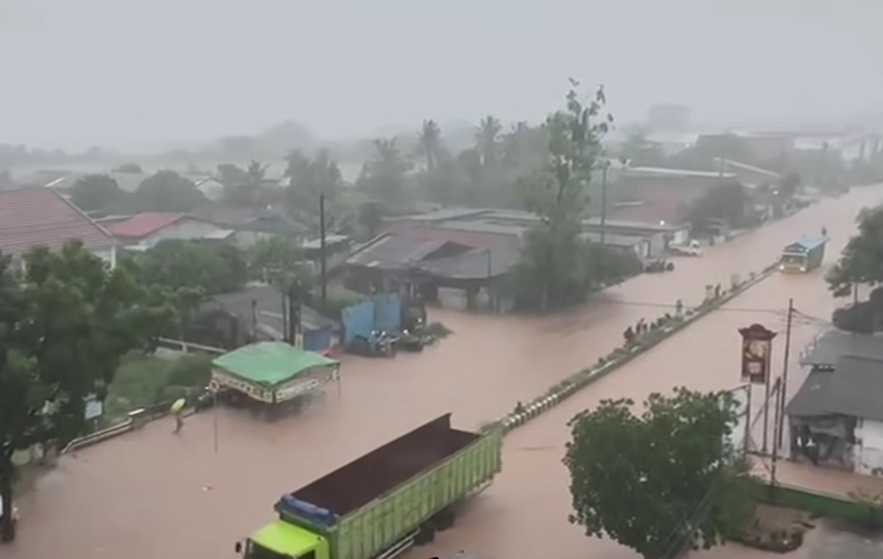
x=667 y=327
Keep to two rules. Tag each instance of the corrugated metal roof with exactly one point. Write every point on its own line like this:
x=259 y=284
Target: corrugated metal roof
x=831 y=345
x=852 y=389
x=476 y=264
x=393 y=252
x=144 y=224
x=33 y=217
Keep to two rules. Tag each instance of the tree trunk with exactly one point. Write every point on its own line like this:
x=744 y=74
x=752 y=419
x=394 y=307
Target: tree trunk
x=7 y=526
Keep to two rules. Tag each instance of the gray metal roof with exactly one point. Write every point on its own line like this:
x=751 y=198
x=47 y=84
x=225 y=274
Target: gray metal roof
x=393 y=252
x=476 y=264
x=313 y=244
x=853 y=388
x=831 y=345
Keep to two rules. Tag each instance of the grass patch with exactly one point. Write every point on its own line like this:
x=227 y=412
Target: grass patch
x=143 y=381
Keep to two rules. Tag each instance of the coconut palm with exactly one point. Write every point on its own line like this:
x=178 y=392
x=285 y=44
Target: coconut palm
x=486 y=139
x=429 y=143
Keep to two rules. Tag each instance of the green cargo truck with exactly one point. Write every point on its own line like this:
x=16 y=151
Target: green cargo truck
x=379 y=505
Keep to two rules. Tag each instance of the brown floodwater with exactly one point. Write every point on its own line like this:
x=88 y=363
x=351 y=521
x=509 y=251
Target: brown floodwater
x=150 y=494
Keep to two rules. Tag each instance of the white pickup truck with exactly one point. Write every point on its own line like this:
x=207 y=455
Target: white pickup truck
x=690 y=249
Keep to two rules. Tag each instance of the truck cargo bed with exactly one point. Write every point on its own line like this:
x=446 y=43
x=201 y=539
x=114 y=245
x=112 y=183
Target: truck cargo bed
x=356 y=484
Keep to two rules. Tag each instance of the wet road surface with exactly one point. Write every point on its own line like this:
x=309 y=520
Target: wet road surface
x=151 y=494
x=524 y=514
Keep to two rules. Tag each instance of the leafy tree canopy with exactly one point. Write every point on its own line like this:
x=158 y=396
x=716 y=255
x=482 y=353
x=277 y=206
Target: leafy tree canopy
x=309 y=179
x=129 y=168
x=94 y=192
x=727 y=203
x=167 y=191
x=384 y=176
x=280 y=260
x=212 y=268
x=557 y=267
x=64 y=326
x=862 y=259
x=662 y=481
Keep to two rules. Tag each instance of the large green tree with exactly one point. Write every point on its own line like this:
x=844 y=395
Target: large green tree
x=64 y=325
x=557 y=267
x=309 y=179
x=212 y=268
x=167 y=191
x=384 y=175
x=280 y=260
x=487 y=137
x=727 y=203
x=94 y=192
x=861 y=261
x=661 y=481
x=429 y=143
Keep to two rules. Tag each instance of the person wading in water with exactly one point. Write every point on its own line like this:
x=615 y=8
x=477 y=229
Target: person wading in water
x=178 y=411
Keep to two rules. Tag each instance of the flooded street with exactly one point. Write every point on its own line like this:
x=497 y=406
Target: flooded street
x=150 y=494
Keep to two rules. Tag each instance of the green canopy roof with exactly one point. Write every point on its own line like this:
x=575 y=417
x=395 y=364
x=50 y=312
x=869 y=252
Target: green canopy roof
x=270 y=363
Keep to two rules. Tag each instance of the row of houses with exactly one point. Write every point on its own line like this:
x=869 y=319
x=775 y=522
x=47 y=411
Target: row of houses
x=127 y=181
x=31 y=217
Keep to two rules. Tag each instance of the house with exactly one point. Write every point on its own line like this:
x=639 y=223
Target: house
x=255 y=313
x=337 y=248
x=418 y=266
x=486 y=228
x=210 y=187
x=250 y=224
x=145 y=230
x=32 y=217
x=64 y=180
x=836 y=416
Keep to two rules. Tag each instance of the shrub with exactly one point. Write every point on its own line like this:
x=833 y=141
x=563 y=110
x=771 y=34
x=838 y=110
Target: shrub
x=192 y=370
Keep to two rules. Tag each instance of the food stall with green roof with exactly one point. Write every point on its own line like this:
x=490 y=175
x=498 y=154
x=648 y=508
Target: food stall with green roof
x=272 y=377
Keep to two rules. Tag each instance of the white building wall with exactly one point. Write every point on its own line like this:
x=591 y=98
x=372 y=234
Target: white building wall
x=183 y=230
x=868 y=452
x=109 y=255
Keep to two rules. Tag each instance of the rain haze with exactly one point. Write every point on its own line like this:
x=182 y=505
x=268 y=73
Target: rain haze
x=378 y=279
x=136 y=73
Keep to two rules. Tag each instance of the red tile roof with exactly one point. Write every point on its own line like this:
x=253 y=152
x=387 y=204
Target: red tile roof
x=33 y=217
x=143 y=224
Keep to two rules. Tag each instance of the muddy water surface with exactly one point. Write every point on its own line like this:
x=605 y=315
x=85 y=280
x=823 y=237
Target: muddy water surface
x=151 y=494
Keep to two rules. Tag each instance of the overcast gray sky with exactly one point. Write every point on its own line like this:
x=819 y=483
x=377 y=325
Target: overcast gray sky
x=84 y=71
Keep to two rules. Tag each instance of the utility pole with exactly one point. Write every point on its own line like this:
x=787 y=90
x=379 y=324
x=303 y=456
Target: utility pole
x=604 y=199
x=323 y=278
x=490 y=297
x=784 y=386
x=780 y=405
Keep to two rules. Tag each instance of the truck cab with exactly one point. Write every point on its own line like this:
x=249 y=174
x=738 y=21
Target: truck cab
x=282 y=540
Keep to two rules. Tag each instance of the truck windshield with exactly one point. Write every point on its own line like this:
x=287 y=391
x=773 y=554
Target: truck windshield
x=793 y=258
x=255 y=551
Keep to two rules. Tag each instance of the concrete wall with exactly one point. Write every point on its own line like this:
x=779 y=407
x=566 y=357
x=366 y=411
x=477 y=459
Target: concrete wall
x=868 y=452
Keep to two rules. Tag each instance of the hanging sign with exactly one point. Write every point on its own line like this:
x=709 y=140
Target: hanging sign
x=757 y=344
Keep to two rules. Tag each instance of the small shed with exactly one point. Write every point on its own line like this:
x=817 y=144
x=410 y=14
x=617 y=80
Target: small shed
x=274 y=372
x=255 y=313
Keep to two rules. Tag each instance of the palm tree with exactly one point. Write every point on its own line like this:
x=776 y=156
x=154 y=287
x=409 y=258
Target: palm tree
x=385 y=174
x=429 y=143
x=486 y=139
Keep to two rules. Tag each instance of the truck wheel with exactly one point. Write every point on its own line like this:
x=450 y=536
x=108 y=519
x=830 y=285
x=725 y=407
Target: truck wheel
x=444 y=520
x=426 y=534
